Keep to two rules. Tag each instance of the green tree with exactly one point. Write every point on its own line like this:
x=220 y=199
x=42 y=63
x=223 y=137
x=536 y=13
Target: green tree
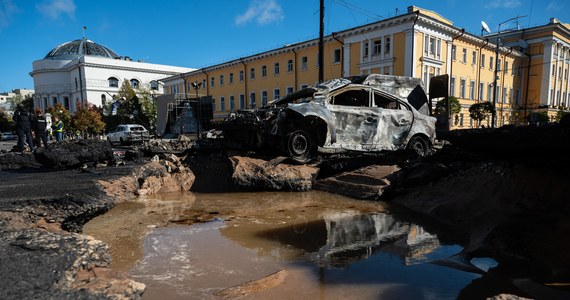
x=148 y=108
x=441 y=106
x=560 y=114
x=62 y=113
x=128 y=99
x=6 y=123
x=479 y=111
x=87 y=118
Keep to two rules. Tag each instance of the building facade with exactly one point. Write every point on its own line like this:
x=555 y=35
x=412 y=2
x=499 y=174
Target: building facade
x=420 y=43
x=83 y=72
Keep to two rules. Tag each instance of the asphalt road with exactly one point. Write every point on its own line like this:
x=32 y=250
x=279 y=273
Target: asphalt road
x=7 y=145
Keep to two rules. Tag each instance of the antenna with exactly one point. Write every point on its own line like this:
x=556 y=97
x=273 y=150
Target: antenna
x=484 y=27
x=84 y=28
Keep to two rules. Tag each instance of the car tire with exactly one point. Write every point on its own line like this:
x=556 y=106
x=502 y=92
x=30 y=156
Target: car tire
x=419 y=146
x=300 y=146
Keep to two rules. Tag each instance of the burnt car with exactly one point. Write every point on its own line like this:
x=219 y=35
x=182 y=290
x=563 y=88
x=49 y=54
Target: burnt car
x=370 y=113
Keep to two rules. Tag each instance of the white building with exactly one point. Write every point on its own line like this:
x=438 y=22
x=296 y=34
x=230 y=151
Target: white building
x=81 y=72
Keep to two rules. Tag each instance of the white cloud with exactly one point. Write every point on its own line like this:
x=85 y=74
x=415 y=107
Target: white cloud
x=7 y=11
x=261 y=11
x=503 y=4
x=52 y=9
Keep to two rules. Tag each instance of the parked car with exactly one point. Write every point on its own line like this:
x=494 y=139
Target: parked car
x=128 y=133
x=7 y=136
x=366 y=113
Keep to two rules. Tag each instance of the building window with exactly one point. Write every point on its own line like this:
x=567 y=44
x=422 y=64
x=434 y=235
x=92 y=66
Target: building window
x=222 y=104
x=276 y=68
x=154 y=85
x=53 y=100
x=481 y=90
x=252 y=73
x=221 y=80
x=365 y=46
x=290 y=65
x=135 y=83
x=66 y=102
x=472 y=89
x=212 y=81
x=462 y=88
x=482 y=60
x=474 y=57
x=242 y=101
x=490 y=93
x=464 y=55
x=499 y=64
x=204 y=83
x=504 y=95
x=113 y=82
x=387 y=42
x=452 y=86
x=304 y=61
x=232 y=103
x=453 y=52
x=510 y=95
x=432 y=46
x=263 y=71
x=252 y=100
x=289 y=90
x=376 y=47
x=264 y=98
x=276 y=94
x=491 y=63
x=213 y=104
x=241 y=76
x=231 y=78
x=336 y=56
x=386 y=70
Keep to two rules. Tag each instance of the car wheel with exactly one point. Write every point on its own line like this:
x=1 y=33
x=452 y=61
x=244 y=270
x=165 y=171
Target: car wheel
x=300 y=146
x=419 y=146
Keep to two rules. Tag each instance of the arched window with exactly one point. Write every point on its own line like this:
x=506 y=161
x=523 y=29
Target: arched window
x=113 y=82
x=103 y=99
x=135 y=83
x=154 y=85
x=66 y=102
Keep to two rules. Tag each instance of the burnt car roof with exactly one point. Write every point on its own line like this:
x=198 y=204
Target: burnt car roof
x=405 y=88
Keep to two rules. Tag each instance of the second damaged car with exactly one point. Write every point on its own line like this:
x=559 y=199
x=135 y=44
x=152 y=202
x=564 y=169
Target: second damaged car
x=366 y=114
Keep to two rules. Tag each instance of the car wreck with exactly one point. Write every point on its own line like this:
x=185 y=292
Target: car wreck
x=369 y=113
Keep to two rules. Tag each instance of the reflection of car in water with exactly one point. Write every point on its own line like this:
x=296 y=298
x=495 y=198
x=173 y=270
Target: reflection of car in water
x=367 y=113
x=128 y=134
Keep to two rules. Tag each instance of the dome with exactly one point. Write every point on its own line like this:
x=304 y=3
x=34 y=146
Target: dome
x=77 y=48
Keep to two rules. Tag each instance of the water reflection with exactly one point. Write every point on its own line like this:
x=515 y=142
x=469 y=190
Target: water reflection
x=331 y=247
x=339 y=238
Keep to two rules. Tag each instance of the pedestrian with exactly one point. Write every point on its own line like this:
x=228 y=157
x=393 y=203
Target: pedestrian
x=23 y=119
x=40 y=129
x=57 y=128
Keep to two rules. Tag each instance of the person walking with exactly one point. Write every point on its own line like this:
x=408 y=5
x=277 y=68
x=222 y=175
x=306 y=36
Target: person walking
x=57 y=128
x=23 y=119
x=40 y=127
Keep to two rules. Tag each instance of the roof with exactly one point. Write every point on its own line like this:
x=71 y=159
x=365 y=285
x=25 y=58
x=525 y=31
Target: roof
x=78 y=48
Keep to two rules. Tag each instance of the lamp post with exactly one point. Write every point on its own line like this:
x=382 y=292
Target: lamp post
x=196 y=86
x=496 y=74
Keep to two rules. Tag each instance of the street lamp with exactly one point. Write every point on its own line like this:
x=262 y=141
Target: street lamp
x=196 y=86
x=496 y=74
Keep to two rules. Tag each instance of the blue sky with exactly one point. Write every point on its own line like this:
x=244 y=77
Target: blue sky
x=196 y=34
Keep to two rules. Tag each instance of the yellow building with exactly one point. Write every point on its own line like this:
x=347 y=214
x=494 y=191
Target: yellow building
x=420 y=43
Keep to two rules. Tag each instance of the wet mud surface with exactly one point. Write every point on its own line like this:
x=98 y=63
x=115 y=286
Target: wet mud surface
x=278 y=246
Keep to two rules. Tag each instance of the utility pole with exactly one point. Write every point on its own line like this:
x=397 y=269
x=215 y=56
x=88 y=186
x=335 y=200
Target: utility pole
x=321 y=42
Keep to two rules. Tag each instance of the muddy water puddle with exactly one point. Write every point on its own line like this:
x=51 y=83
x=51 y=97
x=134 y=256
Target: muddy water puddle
x=275 y=246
